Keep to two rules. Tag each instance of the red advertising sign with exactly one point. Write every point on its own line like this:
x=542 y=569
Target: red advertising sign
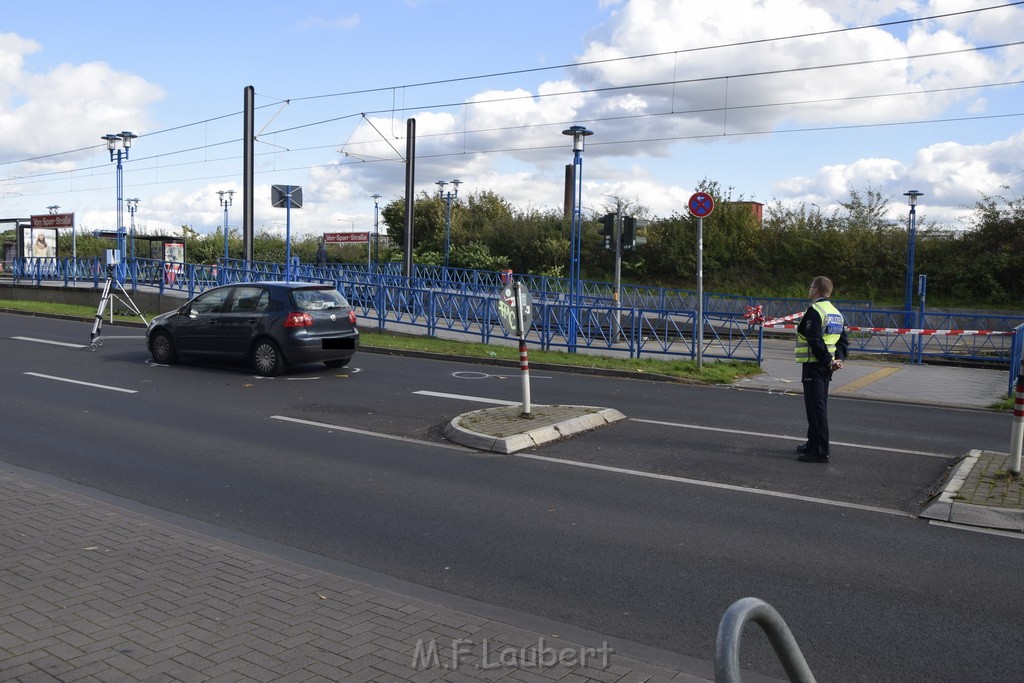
x=54 y=220
x=346 y=237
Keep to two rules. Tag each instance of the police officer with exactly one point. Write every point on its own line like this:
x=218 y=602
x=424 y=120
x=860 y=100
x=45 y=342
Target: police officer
x=821 y=346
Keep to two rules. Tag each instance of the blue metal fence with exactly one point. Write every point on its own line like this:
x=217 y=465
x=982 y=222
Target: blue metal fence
x=648 y=321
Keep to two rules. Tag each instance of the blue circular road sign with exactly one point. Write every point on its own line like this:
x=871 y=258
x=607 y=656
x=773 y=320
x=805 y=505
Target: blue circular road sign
x=701 y=204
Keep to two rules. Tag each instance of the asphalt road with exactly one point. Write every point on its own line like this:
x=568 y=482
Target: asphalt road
x=350 y=465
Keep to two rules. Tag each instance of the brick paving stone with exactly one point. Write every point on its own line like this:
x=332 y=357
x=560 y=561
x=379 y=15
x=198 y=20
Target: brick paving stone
x=105 y=594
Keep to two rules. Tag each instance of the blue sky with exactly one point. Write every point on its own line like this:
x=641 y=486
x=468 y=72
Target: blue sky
x=764 y=118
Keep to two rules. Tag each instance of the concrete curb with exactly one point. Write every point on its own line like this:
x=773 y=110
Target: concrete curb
x=946 y=507
x=488 y=429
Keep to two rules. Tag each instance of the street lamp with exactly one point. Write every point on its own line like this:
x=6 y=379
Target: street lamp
x=53 y=208
x=908 y=294
x=376 y=229
x=447 y=216
x=133 y=206
x=578 y=133
x=225 y=202
x=118 y=145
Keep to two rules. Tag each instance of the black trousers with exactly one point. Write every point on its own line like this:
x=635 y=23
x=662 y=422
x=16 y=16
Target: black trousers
x=815 y=379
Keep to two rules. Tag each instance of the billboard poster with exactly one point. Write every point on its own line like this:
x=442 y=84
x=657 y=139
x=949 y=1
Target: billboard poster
x=39 y=242
x=174 y=251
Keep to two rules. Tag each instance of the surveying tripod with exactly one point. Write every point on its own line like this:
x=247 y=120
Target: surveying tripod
x=95 y=340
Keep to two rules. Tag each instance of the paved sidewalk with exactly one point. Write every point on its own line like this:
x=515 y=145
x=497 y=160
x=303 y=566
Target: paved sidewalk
x=981 y=492
x=96 y=591
x=940 y=385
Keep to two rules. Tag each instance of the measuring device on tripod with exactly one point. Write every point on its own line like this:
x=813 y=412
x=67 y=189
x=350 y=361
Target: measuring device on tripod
x=108 y=297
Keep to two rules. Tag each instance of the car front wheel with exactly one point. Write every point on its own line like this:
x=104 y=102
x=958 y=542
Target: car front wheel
x=161 y=347
x=267 y=359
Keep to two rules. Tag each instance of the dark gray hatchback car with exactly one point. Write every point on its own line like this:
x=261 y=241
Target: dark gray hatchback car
x=269 y=324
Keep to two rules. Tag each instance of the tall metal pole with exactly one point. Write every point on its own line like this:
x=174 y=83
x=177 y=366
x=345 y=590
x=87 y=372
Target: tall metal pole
x=578 y=133
x=288 y=234
x=226 y=203
x=410 y=182
x=618 y=270
x=248 y=171
x=118 y=145
x=120 y=219
x=908 y=290
x=376 y=229
x=574 y=249
x=447 y=216
x=447 y=228
x=133 y=206
x=698 y=324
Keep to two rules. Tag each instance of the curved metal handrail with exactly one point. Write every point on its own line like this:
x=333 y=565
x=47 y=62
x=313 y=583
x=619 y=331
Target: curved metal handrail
x=730 y=631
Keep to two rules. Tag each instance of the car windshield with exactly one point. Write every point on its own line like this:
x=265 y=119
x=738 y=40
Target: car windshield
x=317 y=299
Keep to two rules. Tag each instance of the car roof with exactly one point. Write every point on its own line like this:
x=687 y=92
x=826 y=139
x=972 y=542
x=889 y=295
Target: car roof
x=282 y=285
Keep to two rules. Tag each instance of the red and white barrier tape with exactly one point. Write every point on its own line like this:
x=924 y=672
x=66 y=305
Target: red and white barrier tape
x=755 y=317
x=910 y=330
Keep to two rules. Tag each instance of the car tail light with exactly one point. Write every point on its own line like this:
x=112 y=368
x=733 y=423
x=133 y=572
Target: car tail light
x=352 y=316
x=298 y=320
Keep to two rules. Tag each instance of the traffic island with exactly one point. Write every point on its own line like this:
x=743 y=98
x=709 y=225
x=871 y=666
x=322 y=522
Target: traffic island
x=504 y=429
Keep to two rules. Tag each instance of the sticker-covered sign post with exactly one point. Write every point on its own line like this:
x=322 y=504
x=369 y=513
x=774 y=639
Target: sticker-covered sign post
x=515 y=308
x=701 y=204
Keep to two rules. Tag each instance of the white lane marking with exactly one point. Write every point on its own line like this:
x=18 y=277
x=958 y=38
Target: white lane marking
x=713 y=485
x=461 y=397
x=615 y=470
x=681 y=425
x=764 y=435
x=471 y=374
x=379 y=435
x=52 y=343
x=84 y=384
x=978 y=530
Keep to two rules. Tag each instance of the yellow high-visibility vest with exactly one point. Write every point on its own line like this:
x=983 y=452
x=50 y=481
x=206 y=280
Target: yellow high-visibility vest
x=831 y=327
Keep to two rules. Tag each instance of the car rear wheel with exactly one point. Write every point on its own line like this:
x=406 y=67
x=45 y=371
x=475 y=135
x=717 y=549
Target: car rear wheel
x=336 y=363
x=161 y=346
x=267 y=359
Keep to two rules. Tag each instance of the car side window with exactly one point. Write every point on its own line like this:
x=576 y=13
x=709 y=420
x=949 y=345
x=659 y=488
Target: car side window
x=250 y=300
x=210 y=302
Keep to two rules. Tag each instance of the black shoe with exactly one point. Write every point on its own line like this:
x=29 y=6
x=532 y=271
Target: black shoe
x=802 y=448
x=813 y=457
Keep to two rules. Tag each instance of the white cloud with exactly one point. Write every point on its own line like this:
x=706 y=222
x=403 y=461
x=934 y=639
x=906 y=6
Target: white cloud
x=669 y=116
x=68 y=107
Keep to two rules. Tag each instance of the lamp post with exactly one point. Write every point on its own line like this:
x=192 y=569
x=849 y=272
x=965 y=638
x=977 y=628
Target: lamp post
x=133 y=206
x=376 y=229
x=225 y=202
x=447 y=197
x=908 y=294
x=118 y=145
x=54 y=208
x=578 y=133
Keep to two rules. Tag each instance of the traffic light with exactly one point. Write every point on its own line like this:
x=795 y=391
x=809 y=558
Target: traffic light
x=607 y=222
x=630 y=226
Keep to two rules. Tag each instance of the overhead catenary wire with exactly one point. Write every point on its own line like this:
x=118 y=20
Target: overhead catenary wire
x=139 y=160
